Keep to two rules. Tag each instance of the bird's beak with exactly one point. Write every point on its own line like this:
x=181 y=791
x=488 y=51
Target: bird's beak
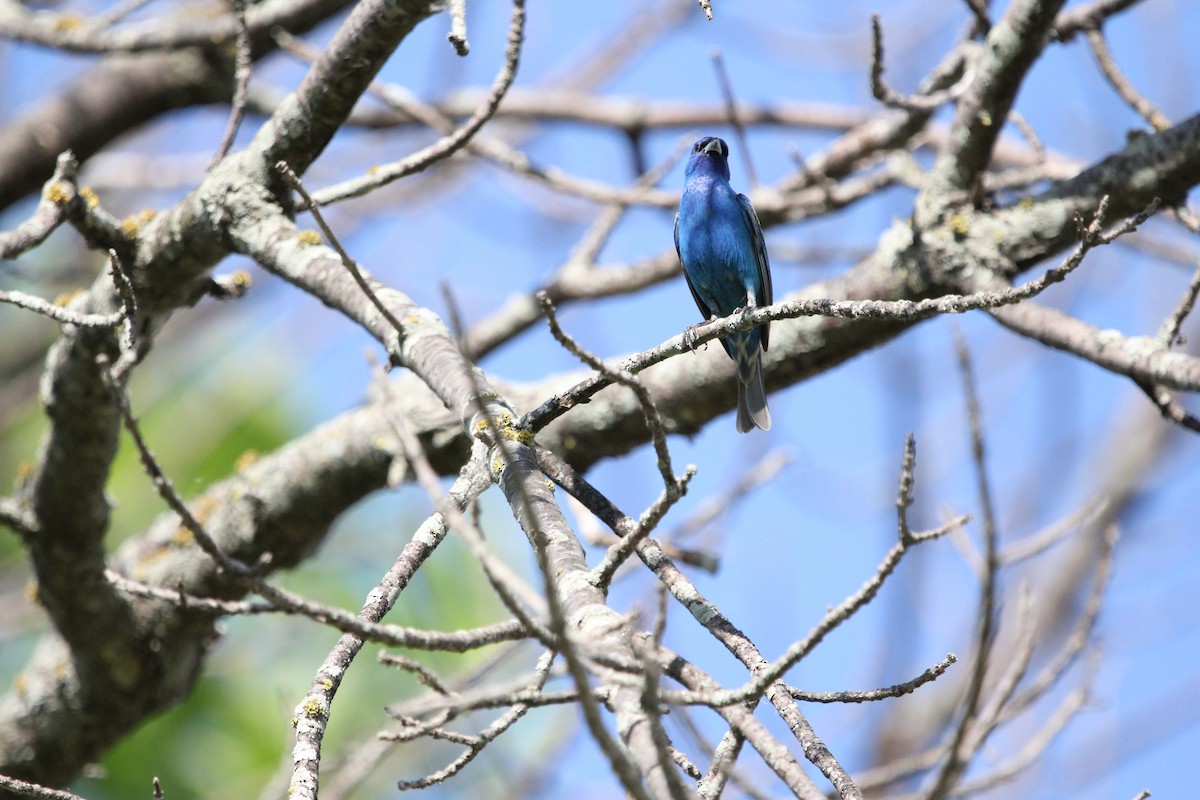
x=713 y=147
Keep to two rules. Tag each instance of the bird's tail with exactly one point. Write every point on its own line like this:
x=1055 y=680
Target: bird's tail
x=752 y=395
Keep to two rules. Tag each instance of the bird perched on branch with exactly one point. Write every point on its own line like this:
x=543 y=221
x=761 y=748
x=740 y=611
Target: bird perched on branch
x=720 y=245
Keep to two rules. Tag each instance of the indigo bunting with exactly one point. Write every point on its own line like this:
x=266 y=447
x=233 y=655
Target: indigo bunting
x=720 y=245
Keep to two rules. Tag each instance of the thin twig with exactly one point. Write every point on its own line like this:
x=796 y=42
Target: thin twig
x=17 y=517
x=904 y=496
x=356 y=272
x=57 y=313
x=1036 y=543
x=685 y=719
x=768 y=673
x=668 y=756
x=1035 y=142
x=48 y=215
x=476 y=744
x=1035 y=745
x=120 y=278
x=243 y=63
x=954 y=765
x=447 y=145
x=890 y=97
x=739 y=130
x=898 y=690
x=654 y=423
x=1169 y=407
x=189 y=602
x=620 y=552
x=1081 y=634
x=745 y=727
x=1070 y=23
x=424 y=676
x=1168 y=333
x=22 y=788
x=630 y=532
x=979 y=9
x=458 y=27
x=1014 y=669
x=455 y=704
x=1122 y=84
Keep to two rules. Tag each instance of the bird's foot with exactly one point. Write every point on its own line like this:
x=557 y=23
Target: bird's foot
x=690 y=336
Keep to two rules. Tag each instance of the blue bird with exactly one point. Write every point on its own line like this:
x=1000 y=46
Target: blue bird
x=720 y=245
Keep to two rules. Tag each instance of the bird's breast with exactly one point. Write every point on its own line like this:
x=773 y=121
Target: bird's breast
x=712 y=233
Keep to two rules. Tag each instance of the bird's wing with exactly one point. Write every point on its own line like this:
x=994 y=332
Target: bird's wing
x=760 y=255
x=704 y=309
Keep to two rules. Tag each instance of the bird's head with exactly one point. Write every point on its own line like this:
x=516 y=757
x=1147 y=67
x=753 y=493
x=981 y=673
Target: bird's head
x=710 y=154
